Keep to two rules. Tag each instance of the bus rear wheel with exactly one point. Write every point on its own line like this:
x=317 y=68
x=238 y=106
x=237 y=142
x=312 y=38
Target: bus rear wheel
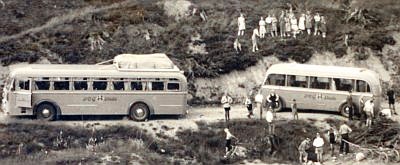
x=46 y=112
x=139 y=112
x=345 y=109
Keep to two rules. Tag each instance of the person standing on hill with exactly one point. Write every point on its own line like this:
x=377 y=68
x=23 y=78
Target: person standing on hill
x=295 y=27
x=261 y=23
x=344 y=132
x=288 y=28
x=226 y=100
x=304 y=145
x=254 y=39
x=282 y=30
x=309 y=22
x=249 y=105
x=349 y=102
x=268 y=22
x=274 y=31
x=317 y=24
x=318 y=143
x=302 y=23
x=241 y=25
x=391 y=98
x=323 y=26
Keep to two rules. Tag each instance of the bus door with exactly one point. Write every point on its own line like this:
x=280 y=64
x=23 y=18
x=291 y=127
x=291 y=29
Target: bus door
x=23 y=93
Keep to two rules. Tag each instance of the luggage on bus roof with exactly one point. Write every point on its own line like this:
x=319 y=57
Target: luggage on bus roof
x=143 y=61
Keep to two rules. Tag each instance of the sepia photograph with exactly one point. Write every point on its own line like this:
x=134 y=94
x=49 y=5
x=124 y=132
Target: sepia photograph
x=199 y=82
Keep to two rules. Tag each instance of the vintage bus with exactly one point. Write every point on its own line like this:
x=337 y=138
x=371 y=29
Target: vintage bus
x=317 y=87
x=133 y=85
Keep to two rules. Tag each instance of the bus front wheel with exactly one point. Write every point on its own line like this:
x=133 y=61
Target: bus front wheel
x=139 y=112
x=46 y=112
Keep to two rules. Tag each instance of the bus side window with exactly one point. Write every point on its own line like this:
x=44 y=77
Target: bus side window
x=136 y=85
x=173 y=86
x=298 y=81
x=42 y=85
x=320 y=83
x=23 y=84
x=362 y=86
x=344 y=84
x=100 y=84
x=81 y=85
x=276 y=79
x=118 y=85
x=61 y=85
x=157 y=86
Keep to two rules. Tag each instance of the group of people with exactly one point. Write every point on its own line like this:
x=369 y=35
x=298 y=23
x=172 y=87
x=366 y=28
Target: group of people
x=287 y=24
x=272 y=103
x=318 y=143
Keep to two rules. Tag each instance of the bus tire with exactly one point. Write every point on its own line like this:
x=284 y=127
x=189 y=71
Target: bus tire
x=139 y=112
x=46 y=112
x=279 y=107
x=344 y=111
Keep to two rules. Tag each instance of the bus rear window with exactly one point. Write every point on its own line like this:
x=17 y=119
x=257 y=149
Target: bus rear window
x=173 y=86
x=157 y=86
x=298 y=81
x=275 y=79
x=343 y=84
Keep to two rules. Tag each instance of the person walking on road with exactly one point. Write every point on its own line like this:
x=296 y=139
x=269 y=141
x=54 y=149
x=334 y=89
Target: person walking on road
x=249 y=105
x=304 y=145
x=391 y=98
x=226 y=100
x=294 y=110
x=318 y=143
x=369 y=111
x=273 y=101
x=344 y=132
x=270 y=121
x=349 y=102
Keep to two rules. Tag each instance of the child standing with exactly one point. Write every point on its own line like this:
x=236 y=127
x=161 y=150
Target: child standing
x=332 y=139
x=249 y=106
x=294 y=110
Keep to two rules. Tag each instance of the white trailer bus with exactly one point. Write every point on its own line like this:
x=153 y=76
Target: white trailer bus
x=134 y=85
x=317 y=87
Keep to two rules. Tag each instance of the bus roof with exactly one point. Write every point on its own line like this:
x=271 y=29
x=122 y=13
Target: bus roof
x=325 y=71
x=74 y=70
x=124 y=65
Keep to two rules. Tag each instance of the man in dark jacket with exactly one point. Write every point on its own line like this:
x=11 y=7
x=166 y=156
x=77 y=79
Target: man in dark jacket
x=391 y=98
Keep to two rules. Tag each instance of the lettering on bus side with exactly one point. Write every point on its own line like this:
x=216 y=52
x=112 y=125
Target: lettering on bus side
x=319 y=96
x=99 y=98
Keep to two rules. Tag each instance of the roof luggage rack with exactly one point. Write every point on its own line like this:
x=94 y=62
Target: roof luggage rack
x=144 y=62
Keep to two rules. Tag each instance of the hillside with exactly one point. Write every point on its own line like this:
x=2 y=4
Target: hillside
x=60 y=31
